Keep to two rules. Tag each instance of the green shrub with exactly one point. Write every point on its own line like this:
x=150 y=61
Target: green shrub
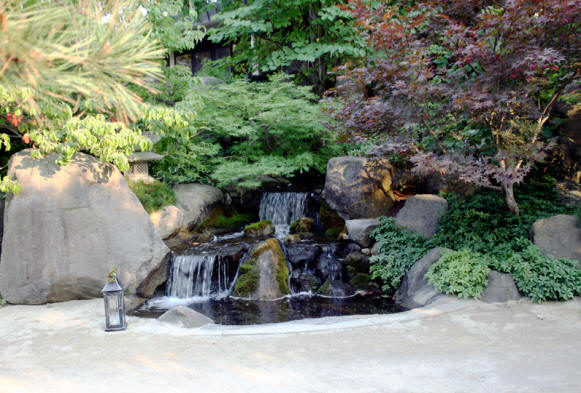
x=153 y=196
x=399 y=250
x=542 y=277
x=463 y=273
x=2 y=301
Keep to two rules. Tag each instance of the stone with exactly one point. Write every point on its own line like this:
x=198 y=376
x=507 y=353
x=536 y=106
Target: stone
x=358 y=230
x=500 y=288
x=375 y=250
x=302 y=225
x=559 y=236
x=306 y=282
x=260 y=229
x=366 y=251
x=167 y=221
x=264 y=276
x=303 y=255
x=69 y=226
x=357 y=187
x=185 y=317
x=132 y=303
x=354 y=263
x=292 y=239
x=335 y=288
x=421 y=213
x=197 y=202
x=415 y=290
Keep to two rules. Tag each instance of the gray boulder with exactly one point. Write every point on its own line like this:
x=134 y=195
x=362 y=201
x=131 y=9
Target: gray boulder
x=185 y=317
x=358 y=230
x=69 y=226
x=421 y=213
x=197 y=202
x=357 y=187
x=559 y=236
x=167 y=221
x=500 y=288
x=415 y=290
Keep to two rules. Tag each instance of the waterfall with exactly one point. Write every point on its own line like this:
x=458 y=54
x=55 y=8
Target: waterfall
x=205 y=275
x=282 y=208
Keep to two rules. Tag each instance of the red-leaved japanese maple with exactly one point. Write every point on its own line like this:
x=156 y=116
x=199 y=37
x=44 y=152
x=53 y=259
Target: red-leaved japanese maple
x=465 y=87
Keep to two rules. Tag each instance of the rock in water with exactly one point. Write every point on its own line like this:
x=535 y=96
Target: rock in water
x=559 y=236
x=69 y=226
x=185 y=317
x=357 y=187
x=421 y=213
x=265 y=275
x=197 y=202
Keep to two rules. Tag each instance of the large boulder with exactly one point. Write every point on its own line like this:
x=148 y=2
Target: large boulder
x=559 y=236
x=357 y=187
x=500 y=288
x=69 y=226
x=167 y=221
x=197 y=202
x=185 y=317
x=358 y=230
x=415 y=290
x=265 y=274
x=421 y=213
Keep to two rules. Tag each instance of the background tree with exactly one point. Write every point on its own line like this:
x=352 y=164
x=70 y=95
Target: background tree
x=271 y=35
x=465 y=87
x=66 y=77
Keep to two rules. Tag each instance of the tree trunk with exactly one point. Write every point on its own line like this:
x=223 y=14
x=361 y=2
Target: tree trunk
x=508 y=194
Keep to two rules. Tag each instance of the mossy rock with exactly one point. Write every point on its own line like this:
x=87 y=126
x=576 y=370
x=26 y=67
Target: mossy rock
x=247 y=282
x=265 y=275
x=360 y=281
x=330 y=220
x=224 y=218
x=355 y=263
x=291 y=239
x=302 y=225
x=260 y=228
x=333 y=233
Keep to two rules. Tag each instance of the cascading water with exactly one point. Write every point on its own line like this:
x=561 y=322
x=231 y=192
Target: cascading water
x=204 y=275
x=282 y=208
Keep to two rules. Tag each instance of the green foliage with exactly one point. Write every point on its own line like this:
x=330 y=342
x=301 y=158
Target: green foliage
x=481 y=223
x=543 y=277
x=65 y=84
x=153 y=196
x=399 y=250
x=173 y=22
x=2 y=301
x=463 y=273
x=271 y=128
x=270 y=35
x=222 y=218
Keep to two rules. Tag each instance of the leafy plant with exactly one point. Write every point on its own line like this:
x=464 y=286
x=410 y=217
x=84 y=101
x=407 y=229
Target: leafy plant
x=462 y=273
x=253 y=129
x=153 y=196
x=2 y=301
x=542 y=277
x=399 y=250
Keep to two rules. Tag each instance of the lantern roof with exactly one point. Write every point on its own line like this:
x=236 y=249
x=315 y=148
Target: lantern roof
x=112 y=287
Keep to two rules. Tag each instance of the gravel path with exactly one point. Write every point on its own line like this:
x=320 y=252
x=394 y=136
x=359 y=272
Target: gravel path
x=452 y=346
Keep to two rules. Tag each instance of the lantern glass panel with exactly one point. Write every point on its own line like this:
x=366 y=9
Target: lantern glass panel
x=113 y=308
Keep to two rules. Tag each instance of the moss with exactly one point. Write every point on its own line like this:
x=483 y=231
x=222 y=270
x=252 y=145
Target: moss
x=282 y=271
x=333 y=232
x=221 y=218
x=248 y=280
x=325 y=289
x=153 y=196
x=360 y=281
x=258 y=226
x=302 y=225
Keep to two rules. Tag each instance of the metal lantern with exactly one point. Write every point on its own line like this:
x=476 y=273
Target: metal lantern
x=114 y=304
